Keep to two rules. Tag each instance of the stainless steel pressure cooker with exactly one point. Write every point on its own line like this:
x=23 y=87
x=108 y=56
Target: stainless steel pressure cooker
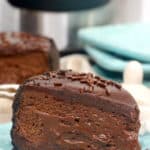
x=61 y=19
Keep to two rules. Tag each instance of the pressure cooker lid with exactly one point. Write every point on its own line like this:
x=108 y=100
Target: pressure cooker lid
x=58 y=5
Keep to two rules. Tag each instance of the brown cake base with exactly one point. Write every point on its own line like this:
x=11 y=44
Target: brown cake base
x=50 y=116
x=16 y=68
x=23 y=55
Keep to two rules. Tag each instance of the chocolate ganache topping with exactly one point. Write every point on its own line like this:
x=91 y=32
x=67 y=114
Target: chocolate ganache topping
x=88 y=90
x=12 y=43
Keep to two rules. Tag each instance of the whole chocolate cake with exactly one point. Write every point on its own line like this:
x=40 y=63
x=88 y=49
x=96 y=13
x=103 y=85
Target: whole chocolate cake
x=23 y=55
x=65 y=110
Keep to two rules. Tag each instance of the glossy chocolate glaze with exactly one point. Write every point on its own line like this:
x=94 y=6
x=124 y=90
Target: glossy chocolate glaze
x=18 y=47
x=93 y=93
x=106 y=95
x=12 y=43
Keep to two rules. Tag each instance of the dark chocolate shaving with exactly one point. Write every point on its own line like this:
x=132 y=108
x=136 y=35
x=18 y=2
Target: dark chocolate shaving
x=86 y=79
x=57 y=84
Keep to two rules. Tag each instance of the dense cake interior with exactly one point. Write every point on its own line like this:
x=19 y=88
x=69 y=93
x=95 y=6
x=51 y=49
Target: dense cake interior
x=46 y=122
x=16 y=68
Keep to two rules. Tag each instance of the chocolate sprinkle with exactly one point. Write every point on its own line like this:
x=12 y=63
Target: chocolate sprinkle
x=86 y=79
x=57 y=84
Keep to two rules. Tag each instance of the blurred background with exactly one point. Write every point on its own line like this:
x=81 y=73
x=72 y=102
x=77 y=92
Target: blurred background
x=114 y=11
x=65 y=23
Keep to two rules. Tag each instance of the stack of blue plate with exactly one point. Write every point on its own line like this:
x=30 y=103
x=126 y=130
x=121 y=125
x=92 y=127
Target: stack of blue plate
x=112 y=47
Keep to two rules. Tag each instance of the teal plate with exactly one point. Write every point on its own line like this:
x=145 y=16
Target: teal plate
x=111 y=62
x=113 y=75
x=130 y=40
x=5 y=140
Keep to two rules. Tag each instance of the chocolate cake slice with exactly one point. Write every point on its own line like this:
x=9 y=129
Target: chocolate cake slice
x=65 y=110
x=23 y=55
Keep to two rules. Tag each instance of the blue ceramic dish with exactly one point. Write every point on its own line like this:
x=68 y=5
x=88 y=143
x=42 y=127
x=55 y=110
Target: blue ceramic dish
x=130 y=40
x=111 y=62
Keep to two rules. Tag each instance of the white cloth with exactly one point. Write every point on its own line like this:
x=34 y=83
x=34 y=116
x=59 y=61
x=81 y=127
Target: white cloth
x=7 y=93
x=76 y=62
